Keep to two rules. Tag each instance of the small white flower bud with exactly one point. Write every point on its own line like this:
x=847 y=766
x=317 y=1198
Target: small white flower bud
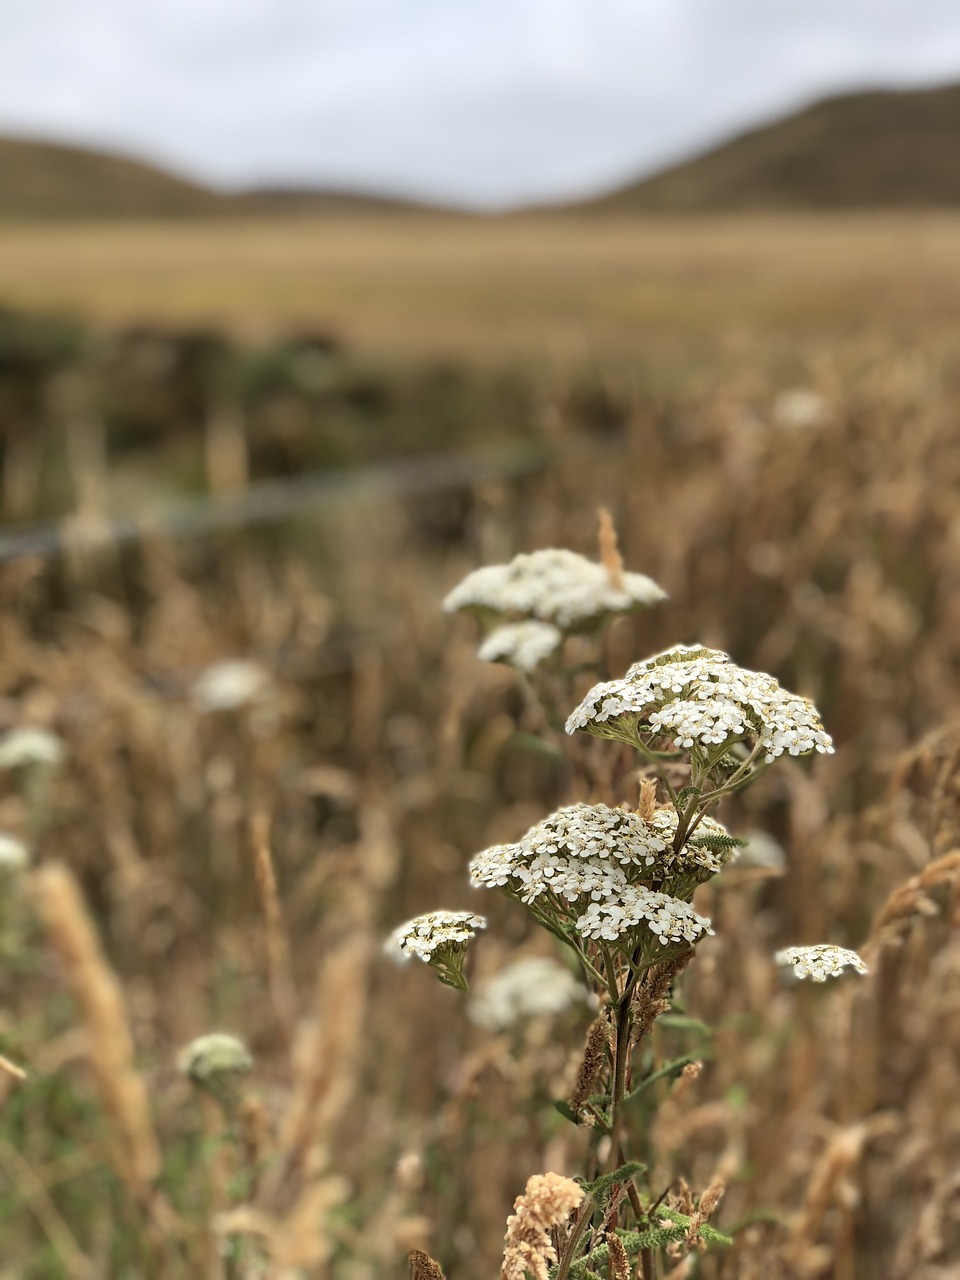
x=213 y=1055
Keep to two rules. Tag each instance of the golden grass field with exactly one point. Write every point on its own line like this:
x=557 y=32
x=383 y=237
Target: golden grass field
x=238 y=869
x=556 y=288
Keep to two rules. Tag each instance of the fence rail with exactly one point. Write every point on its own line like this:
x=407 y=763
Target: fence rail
x=273 y=501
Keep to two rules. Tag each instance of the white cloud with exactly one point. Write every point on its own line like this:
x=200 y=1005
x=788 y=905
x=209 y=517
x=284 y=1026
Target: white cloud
x=480 y=100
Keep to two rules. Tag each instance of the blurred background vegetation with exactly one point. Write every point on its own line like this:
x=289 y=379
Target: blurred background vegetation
x=219 y=440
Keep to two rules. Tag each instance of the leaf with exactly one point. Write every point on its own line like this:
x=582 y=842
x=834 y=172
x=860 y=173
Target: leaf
x=710 y=1234
x=672 y=1068
x=607 y=1181
x=537 y=746
x=566 y=1111
x=680 y=1022
x=688 y=793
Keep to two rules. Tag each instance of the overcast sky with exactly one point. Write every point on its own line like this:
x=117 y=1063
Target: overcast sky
x=486 y=102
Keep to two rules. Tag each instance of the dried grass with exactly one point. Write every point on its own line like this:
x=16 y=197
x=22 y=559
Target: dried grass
x=385 y=756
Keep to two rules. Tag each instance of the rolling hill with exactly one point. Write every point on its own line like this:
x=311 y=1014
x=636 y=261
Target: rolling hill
x=881 y=149
x=46 y=180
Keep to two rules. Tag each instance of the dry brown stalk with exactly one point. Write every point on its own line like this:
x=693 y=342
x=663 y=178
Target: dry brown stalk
x=423 y=1267
x=297 y=1239
x=708 y=1202
x=912 y=898
x=594 y=1054
x=610 y=556
x=254 y=1136
x=12 y=1070
x=619 y=1262
x=324 y=1056
x=279 y=968
x=135 y=1149
x=650 y=998
x=647 y=805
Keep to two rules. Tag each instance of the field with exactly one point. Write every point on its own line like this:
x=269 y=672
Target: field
x=768 y=410
x=553 y=289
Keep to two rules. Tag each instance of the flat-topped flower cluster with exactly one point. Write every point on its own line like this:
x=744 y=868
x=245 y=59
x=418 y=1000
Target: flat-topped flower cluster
x=435 y=931
x=619 y=868
x=703 y=701
x=820 y=962
x=523 y=645
x=555 y=586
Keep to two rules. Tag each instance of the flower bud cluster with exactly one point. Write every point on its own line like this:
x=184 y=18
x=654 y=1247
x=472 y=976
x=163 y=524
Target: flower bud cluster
x=701 y=699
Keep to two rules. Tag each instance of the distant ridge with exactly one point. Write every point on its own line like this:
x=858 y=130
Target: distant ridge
x=51 y=181
x=882 y=149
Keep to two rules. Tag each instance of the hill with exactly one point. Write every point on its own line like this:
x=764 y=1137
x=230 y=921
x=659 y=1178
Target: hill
x=881 y=149
x=50 y=180
x=45 y=180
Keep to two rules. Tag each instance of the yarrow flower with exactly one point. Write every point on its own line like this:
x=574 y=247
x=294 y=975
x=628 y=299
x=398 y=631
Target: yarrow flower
x=14 y=854
x=523 y=645
x=213 y=1055
x=819 y=962
x=440 y=939
x=228 y=685
x=553 y=585
x=29 y=747
x=701 y=699
x=624 y=865
x=591 y=850
x=527 y=988
x=668 y=919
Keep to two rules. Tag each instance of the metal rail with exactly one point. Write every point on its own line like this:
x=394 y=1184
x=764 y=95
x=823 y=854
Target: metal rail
x=273 y=501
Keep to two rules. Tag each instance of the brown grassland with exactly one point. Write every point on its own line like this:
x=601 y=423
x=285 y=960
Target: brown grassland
x=238 y=870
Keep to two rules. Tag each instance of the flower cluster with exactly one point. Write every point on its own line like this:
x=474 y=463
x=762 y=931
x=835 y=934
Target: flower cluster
x=440 y=939
x=553 y=585
x=819 y=962
x=523 y=645
x=621 y=862
x=527 y=988
x=702 y=700
x=581 y=849
x=668 y=919
x=212 y=1056
x=29 y=748
x=546 y=1204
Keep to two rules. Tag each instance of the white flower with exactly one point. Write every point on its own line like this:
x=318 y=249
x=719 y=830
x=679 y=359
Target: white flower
x=440 y=939
x=799 y=408
x=23 y=747
x=762 y=850
x=214 y=1055
x=594 y=851
x=553 y=585
x=525 y=989
x=819 y=962
x=228 y=685
x=671 y=919
x=14 y=854
x=436 y=931
x=523 y=645
x=698 y=696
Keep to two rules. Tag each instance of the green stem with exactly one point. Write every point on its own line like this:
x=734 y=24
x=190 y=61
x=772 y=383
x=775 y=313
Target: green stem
x=654 y=758
x=574 y=1238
